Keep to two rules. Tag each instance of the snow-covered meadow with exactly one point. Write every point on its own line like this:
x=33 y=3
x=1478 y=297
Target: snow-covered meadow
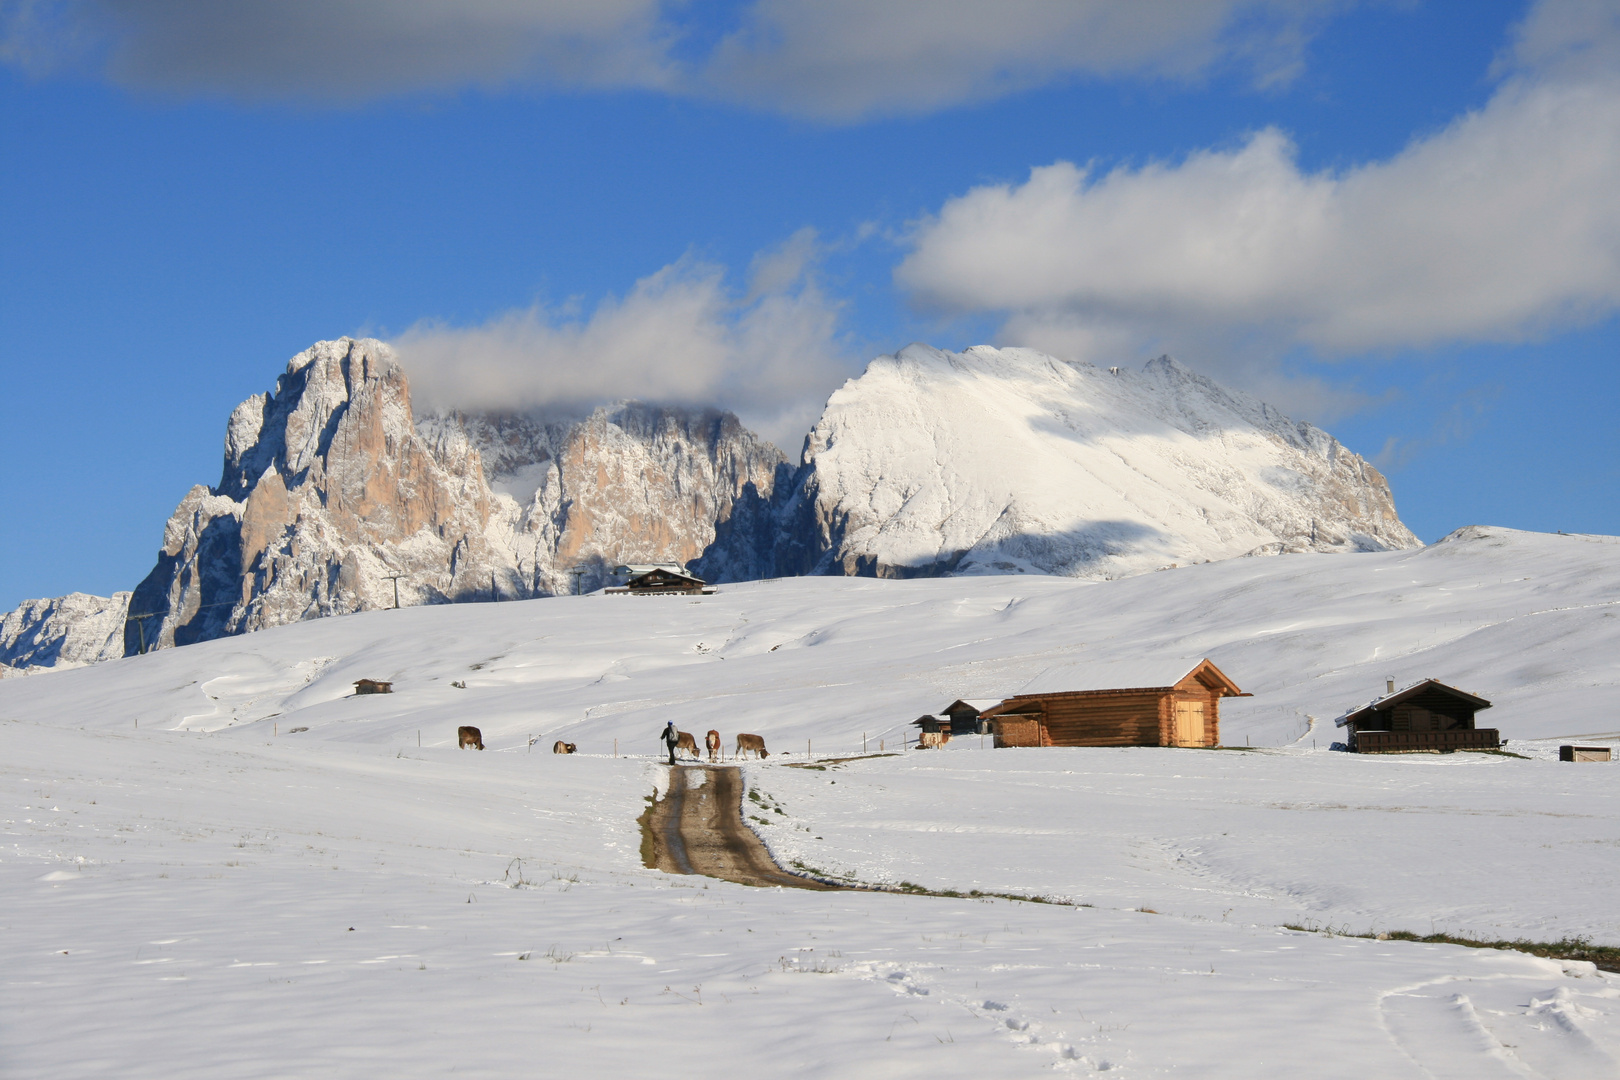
x=181 y=868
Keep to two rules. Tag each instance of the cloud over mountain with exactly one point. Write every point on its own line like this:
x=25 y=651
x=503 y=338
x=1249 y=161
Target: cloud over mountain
x=1500 y=226
x=680 y=336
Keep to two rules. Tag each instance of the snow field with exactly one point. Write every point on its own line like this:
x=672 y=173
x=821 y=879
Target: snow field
x=178 y=906
x=1473 y=845
x=180 y=869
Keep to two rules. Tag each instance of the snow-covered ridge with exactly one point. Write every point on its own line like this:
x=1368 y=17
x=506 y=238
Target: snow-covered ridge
x=1008 y=460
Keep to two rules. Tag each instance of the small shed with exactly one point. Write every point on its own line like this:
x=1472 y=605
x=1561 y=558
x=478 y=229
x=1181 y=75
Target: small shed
x=1172 y=702
x=663 y=581
x=964 y=714
x=932 y=725
x=1583 y=753
x=1426 y=716
x=373 y=686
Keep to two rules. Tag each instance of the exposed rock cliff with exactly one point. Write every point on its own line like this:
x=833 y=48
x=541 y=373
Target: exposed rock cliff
x=995 y=461
x=68 y=631
x=332 y=493
x=630 y=483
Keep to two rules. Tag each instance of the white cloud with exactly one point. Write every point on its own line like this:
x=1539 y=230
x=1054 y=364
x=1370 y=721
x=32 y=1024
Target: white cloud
x=830 y=59
x=1502 y=226
x=679 y=336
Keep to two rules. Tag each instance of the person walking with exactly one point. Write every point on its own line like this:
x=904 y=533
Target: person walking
x=671 y=737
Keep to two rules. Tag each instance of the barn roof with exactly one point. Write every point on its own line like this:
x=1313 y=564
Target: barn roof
x=976 y=704
x=1153 y=673
x=1389 y=701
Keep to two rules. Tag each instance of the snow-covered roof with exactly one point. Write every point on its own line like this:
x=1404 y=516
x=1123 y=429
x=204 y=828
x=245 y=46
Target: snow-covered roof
x=1389 y=700
x=637 y=569
x=1145 y=673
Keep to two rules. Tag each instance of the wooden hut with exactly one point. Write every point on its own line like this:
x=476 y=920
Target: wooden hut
x=663 y=581
x=1155 y=703
x=1426 y=716
x=373 y=686
x=964 y=714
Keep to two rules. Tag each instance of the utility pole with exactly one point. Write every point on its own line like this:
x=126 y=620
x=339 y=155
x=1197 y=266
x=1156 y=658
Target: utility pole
x=493 y=595
x=578 y=572
x=140 y=626
x=395 y=579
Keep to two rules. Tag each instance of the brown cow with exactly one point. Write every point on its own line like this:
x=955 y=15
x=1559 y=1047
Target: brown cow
x=712 y=741
x=932 y=740
x=560 y=747
x=751 y=742
x=470 y=736
x=684 y=741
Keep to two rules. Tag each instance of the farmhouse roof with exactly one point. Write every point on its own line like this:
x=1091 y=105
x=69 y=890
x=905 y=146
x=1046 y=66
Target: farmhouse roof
x=1156 y=673
x=976 y=704
x=1389 y=701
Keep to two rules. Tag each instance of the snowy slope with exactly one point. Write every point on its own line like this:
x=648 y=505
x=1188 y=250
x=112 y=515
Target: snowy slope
x=1003 y=460
x=180 y=894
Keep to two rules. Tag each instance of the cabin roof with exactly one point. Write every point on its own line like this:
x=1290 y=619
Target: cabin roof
x=1154 y=673
x=976 y=704
x=1389 y=701
x=637 y=569
x=662 y=573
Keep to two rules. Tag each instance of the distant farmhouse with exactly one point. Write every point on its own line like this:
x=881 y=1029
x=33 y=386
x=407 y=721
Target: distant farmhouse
x=1427 y=716
x=1154 y=703
x=659 y=581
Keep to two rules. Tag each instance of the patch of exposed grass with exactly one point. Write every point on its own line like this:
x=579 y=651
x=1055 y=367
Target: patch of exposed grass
x=821 y=766
x=1605 y=957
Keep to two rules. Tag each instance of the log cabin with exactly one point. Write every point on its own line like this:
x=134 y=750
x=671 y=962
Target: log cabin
x=663 y=581
x=373 y=686
x=1426 y=716
x=1155 y=703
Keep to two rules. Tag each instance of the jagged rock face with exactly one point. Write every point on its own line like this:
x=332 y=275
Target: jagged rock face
x=68 y=631
x=631 y=483
x=331 y=488
x=995 y=461
x=327 y=490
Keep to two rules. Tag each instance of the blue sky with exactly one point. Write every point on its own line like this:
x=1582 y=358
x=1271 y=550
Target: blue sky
x=1396 y=219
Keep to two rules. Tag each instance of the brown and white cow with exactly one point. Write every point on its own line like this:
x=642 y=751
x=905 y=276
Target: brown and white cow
x=560 y=747
x=746 y=743
x=470 y=736
x=712 y=741
x=684 y=741
x=932 y=740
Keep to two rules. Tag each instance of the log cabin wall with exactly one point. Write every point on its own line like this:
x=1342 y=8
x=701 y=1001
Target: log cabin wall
x=1098 y=718
x=1432 y=710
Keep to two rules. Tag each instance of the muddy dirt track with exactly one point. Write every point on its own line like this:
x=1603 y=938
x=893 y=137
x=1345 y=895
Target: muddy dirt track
x=697 y=828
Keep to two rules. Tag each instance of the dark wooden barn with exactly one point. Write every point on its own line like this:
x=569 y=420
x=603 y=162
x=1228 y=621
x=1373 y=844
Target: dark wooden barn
x=964 y=715
x=1173 y=703
x=1427 y=716
x=373 y=686
x=663 y=581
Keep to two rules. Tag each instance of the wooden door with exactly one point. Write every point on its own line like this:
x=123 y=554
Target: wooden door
x=1189 y=723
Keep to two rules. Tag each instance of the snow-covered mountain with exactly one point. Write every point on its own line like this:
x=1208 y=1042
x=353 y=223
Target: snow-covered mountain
x=1007 y=460
x=334 y=493
x=68 y=631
